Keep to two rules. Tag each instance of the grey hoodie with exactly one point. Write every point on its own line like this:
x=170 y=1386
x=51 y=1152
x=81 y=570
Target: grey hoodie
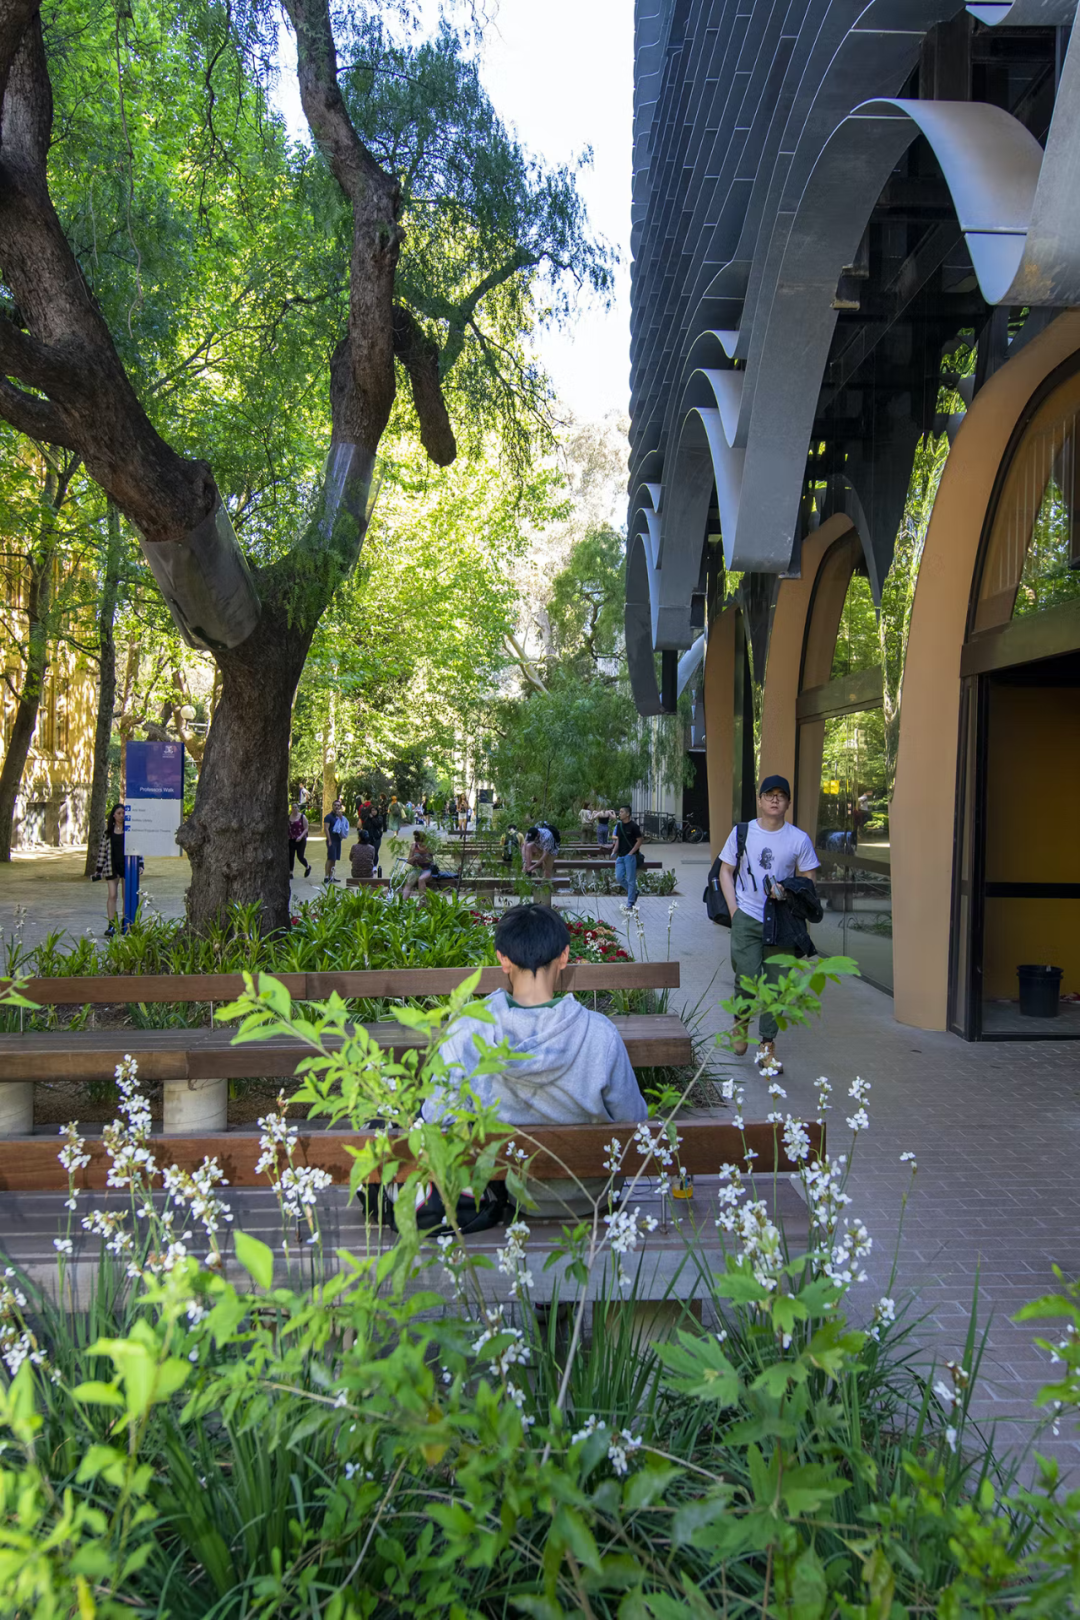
x=571 y=1068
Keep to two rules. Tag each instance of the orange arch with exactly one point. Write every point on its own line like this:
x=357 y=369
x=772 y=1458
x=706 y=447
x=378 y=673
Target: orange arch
x=923 y=811
x=783 y=665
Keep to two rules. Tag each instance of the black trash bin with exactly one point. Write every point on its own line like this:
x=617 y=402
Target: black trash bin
x=1040 y=990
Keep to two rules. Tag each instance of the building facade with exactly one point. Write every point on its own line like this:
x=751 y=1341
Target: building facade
x=855 y=389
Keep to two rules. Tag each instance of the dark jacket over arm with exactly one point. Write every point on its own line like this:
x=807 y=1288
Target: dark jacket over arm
x=784 y=927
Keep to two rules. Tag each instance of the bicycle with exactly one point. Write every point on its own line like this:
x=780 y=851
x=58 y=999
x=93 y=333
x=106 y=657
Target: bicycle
x=691 y=833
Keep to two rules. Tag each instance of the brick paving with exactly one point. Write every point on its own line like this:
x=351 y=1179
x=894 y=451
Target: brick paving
x=995 y=1128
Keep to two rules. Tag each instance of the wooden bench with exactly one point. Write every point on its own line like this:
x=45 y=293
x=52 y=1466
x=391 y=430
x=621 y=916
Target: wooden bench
x=489 y=885
x=195 y=1065
x=30 y=1164
x=584 y=865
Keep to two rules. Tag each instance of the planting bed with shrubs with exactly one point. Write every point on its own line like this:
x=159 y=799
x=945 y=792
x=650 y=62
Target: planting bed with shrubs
x=221 y=1428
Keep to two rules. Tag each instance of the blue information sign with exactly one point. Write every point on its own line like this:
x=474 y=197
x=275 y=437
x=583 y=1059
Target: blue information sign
x=155 y=770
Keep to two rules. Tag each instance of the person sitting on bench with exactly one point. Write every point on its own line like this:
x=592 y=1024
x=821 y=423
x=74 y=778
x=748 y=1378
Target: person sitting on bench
x=362 y=856
x=422 y=861
x=570 y=1066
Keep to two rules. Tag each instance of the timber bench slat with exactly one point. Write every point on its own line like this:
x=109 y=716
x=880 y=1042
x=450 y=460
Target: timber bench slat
x=600 y=865
x=652 y=1039
x=126 y=988
x=29 y=1163
x=496 y=885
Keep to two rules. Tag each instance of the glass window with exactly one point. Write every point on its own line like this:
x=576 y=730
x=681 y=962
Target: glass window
x=857 y=644
x=1033 y=553
x=853 y=844
x=1051 y=572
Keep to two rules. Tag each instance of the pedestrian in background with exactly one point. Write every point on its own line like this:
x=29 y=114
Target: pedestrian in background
x=624 y=847
x=362 y=856
x=299 y=828
x=603 y=825
x=336 y=825
x=422 y=861
x=110 y=863
x=774 y=850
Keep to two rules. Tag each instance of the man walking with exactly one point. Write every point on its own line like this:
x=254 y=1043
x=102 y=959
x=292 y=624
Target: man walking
x=774 y=850
x=336 y=826
x=624 y=847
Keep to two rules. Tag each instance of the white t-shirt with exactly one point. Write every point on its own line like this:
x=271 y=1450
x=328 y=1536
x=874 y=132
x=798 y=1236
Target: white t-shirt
x=777 y=853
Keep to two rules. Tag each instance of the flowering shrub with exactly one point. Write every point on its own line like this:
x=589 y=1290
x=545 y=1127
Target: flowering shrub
x=214 y=1436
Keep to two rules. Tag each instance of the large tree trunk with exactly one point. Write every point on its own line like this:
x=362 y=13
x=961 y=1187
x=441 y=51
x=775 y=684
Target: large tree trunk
x=99 y=781
x=237 y=837
x=38 y=603
x=22 y=732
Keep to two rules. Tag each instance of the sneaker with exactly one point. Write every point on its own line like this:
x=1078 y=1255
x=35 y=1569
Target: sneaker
x=110 y=932
x=766 y=1059
x=307 y=871
x=739 y=1043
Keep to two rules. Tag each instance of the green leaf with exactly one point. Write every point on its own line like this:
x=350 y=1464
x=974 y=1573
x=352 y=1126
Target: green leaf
x=106 y=1460
x=571 y=1529
x=701 y=1368
x=804 y=1587
x=98 y=1394
x=256 y=1258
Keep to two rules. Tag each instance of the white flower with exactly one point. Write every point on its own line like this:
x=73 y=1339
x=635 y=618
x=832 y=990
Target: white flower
x=511 y=1259
x=592 y=1423
x=63 y=1246
x=909 y=1158
x=776 y=1090
x=859 y=1090
x=884 y=1313
x=950 y=1438
x=796 y=1140
x=622 y=1447
x=858 y=1121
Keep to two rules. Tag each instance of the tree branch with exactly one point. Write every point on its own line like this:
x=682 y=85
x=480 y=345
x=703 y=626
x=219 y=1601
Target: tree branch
x=38 y=418
x=420 y=357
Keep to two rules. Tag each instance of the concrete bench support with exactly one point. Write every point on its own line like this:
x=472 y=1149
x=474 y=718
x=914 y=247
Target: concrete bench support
x=194 y=1106
x=17 y=1108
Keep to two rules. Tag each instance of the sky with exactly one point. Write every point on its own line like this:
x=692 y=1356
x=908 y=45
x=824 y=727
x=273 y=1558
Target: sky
x=561 y=73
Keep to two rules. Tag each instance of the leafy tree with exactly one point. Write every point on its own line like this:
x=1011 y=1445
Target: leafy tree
x=305 y=282
x=577 y=740
x=588 y=600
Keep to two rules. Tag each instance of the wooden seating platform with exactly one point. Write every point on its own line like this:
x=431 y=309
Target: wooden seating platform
x=29 y=1164
x=651 y=1039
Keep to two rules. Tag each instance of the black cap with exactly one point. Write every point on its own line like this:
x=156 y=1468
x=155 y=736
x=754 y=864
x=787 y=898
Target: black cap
x=777 y=783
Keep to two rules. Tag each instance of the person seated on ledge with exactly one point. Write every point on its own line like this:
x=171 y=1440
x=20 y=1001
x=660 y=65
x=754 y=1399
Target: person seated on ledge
x=362 y=855
x=422 y=861
x=570 y=1066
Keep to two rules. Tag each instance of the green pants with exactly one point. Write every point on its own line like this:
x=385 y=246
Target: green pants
x=750 y=958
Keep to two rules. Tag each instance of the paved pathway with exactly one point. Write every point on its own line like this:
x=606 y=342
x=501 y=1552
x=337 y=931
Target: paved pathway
x=995 y=1128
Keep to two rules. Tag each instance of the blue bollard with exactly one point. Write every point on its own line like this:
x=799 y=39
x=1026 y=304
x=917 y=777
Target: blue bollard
x=132 y=868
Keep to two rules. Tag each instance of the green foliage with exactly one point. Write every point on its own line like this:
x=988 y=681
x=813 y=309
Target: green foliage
x=587 y=603
x=577 y=740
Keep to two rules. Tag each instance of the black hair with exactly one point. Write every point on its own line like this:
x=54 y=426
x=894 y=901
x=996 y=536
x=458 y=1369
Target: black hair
x=365 y=837
x=531 y=936
x=531 y=833
x=109 y=817
x=627 y=807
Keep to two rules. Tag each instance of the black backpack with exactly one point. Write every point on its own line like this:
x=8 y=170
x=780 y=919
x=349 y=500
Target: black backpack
x=713 y=897
x=555 y=833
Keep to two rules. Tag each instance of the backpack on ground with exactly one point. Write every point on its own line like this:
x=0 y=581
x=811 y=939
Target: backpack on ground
x=713 y=897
